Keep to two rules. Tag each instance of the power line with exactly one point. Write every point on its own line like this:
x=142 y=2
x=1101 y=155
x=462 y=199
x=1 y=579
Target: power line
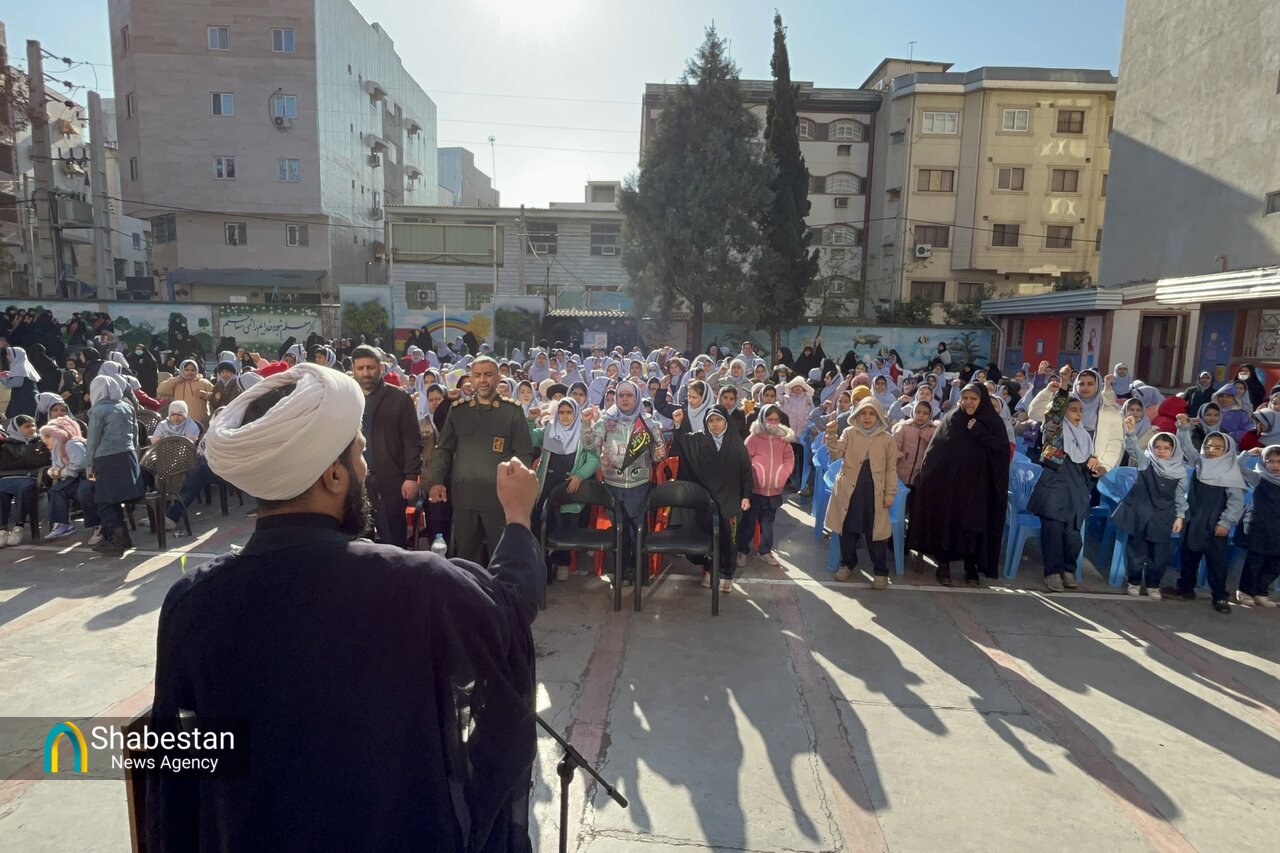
x=535 y=97
x=542 y=126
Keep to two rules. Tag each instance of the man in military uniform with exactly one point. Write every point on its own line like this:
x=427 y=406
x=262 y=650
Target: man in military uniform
x=478 y=434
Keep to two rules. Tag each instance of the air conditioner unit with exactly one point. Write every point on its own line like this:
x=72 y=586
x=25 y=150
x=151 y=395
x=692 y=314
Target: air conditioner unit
x=608 y=250
x=282 y=122
x=376 y=213
x=842 y=202
x=542 y=248
x=375 y=160
x=425 y=297
x=924 y=250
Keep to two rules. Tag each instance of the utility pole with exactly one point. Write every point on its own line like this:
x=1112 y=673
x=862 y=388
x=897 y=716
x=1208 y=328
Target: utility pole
x=101 y=208
x=42 y=163
x=522 y=232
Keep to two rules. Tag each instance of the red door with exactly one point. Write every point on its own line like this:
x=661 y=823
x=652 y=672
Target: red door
x=1040 y=340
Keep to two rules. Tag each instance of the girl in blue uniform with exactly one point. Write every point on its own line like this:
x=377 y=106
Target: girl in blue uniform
x=1260 y=531
x=1153 y=510
x=1216 y=504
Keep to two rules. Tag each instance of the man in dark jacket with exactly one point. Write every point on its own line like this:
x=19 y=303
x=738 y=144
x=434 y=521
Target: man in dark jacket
x=393 y=447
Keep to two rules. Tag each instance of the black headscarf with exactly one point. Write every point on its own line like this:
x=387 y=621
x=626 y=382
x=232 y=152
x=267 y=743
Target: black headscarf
x=725 y=471
x=962 y=491
x=1257 y=393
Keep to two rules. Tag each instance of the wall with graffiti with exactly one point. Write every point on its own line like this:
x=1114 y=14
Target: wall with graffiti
x=266 y=328
x=916 y=344
x=380 y=311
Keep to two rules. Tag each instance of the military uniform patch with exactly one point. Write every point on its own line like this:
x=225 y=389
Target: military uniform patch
x=499 y=443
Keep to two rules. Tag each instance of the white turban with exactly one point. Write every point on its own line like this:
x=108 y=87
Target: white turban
x=281 y=454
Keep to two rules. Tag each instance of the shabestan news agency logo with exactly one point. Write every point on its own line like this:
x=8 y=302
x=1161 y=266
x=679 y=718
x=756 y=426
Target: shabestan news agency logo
x=74 y=740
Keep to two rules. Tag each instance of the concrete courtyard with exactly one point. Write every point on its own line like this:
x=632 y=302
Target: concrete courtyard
x=809 y=716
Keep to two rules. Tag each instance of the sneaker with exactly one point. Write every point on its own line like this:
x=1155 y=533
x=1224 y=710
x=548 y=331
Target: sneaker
x=1177 y=594
x=844 y=573
x=1264 y=601
x=1133 y=589
x=15 y=537
x=1053 y=583
x=1155 y=594
x=880 y=582
x=562 y=573
x=170 y=525
x=1222 y=606
x=60 y=530
x=742 y=559
x=1069 y=580
x=96 y=537
x=726 y=587
x=769 y=558
x=806 y=492
x=705 y=582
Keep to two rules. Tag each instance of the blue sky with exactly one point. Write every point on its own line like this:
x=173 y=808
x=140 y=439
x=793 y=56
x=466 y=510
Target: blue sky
x=570 y=73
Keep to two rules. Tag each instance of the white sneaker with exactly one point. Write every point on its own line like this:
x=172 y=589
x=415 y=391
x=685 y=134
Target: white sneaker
x=169 y=524
x=705 y=583
x=1154 y=594
x=1133 y=589
x=742 y=559
x=97 y=536
x=15 y=537
x=1264 y=601
x=60 y=530
x=726 y=587
x=770 y=559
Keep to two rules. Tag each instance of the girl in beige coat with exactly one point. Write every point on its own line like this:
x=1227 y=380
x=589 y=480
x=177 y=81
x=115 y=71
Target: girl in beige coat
x=864 y=489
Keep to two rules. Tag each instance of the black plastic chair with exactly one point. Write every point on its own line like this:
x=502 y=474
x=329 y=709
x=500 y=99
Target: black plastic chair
x=591 y=492
x=149 y=420
x=169 y=460
x=685 y=539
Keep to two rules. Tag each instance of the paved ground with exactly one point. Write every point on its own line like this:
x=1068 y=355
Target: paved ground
x=809 y=716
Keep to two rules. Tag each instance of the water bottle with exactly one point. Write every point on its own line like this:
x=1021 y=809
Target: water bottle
x=439 y=546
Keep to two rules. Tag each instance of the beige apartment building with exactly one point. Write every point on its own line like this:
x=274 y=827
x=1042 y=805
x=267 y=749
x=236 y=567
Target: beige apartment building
x=995 y=176
x=264 y=141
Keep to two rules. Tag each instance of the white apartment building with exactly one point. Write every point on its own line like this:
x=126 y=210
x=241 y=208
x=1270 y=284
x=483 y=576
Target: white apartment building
x=264 y=143
x=467 y=185
x=836 y=128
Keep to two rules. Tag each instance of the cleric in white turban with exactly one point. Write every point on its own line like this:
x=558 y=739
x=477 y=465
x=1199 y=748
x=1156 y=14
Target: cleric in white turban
x=312 y=633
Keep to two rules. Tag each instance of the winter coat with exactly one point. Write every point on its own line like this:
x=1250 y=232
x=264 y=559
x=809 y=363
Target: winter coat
x=772 y=459
x=796 y=406
x=912 y=441
x=189 y=392
x=586 y=459
x=1108 y=438
x=613 y=450
x=1166 y=419
x=853 y=446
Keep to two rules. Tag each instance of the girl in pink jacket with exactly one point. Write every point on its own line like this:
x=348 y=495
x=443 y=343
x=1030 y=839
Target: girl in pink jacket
x=769 y=446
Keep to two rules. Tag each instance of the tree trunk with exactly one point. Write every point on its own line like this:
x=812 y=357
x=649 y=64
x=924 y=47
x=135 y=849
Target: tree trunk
x=695 y=327
x=775 y=342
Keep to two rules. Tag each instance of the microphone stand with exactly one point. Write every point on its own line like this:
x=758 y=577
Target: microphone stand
x=569 y=763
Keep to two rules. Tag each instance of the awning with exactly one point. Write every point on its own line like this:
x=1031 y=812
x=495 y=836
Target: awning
x=1059 y=302
x=243 y=277
x=1230 y=286
x=587 y=312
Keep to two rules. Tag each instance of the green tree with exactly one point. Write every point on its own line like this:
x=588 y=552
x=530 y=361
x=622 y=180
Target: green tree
x=967 y=312
x=1073 y=282
x=908 y=312
x=691 y=214
x=786 y=267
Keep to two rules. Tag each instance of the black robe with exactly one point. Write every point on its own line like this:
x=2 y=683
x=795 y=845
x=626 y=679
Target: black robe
x=724 y=472
x=962 y=492
x=389 y=694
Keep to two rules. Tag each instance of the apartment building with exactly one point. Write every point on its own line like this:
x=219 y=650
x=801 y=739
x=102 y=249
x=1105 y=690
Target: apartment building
x=836 y=128
x=991 y=177
x=467 y=185
x=265 y=141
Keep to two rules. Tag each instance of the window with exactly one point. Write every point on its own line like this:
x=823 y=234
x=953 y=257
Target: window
x=164 y=229
x=1015 y=121
x=1104 y=184
x=478 y=296
x=940 y=123
x=844 y=150
x=137 y=241
x=807 y=129
x=897 y=137
x=139 y=269
x=1064 y=180
x=1017 y=332
x=837 y=256
x=420 y=295
x=124 y=39
x=288 y=170
x=936 y=181
x=219 y=38
x=604 y=239
x=838 y=285
x=542 y=239
x=841 y=235
x=224 y=104
x=969 y=291
x=1272 y=203
x=284 y=106
x=842 y=202
x=224 y=168
x=296 y=235
x=282 y=40
x=133 y=168
x=1070 y=121
x=845 y=130
x=843 y=183
x=236 y=233
x=130 y=105
x=1058 y=236
x=1010 y=178
x=121 y=268
x=1111 y=124
x=929 y=291
x=1097 y=241
x=1005 y=235
x=602 y=195
x=937 y=236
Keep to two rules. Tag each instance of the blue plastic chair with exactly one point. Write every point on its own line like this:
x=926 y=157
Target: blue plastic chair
x=1113 y=486
x=1021 y=525
x=829 y=483
x=1119 y=574
x=898 y=520
x=821 y=487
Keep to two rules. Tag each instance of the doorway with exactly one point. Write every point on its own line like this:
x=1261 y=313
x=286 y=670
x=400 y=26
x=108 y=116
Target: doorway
x=1158 y=348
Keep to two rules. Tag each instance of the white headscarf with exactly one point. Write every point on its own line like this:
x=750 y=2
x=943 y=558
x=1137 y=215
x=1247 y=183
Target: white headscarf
x=1076 y=440
x=616 y=412
x=1222 y=470
x=281 y=454
x=1173 y=468
x=21 y=367
x=1091 y=404
x=104 y=388
x=45 y=401
x=557 y=438
x=1120 y=384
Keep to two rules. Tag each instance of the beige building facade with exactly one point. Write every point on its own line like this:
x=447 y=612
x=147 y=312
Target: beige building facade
x=995 y=177
x=264 y=143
